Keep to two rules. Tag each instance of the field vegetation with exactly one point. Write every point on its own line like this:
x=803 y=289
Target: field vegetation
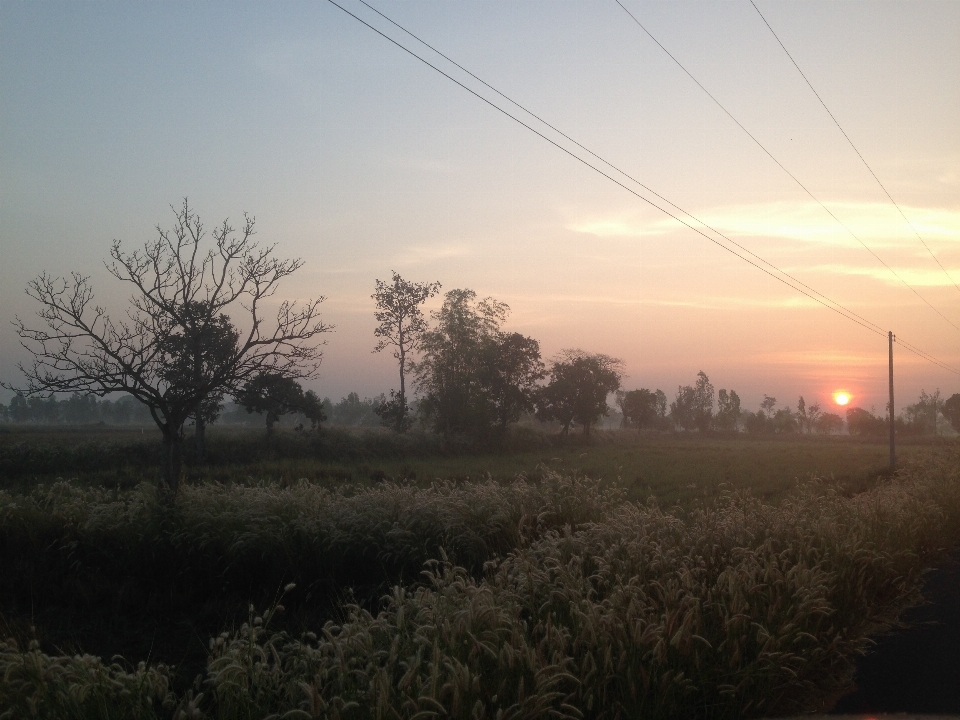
x=384 y=576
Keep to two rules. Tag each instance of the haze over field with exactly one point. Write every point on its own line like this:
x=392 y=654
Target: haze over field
x=361 y=160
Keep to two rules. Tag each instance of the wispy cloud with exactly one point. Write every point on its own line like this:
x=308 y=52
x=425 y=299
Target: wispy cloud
x=874 y=223
x=917 y=277
x=703 y=303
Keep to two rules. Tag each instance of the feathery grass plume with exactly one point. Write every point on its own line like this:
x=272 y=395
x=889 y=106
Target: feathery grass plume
x=738 y=609
x=82 y=687
x=735 y=609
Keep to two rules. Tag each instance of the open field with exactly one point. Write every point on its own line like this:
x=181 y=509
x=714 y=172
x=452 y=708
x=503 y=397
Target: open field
x=674 y=468
x=556 y=587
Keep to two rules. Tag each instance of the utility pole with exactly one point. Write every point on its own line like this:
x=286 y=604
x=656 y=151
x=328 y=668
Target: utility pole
x=893 y=438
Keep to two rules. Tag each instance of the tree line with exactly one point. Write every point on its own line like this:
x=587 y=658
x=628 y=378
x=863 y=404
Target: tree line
x=86 y=409
x=202 y=326
x=693 y=410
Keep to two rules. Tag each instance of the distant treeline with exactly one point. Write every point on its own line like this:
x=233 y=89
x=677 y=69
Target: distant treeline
x=86 y=409
x=695 y=408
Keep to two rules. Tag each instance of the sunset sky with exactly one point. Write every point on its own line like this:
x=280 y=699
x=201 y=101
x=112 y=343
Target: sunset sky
x=361 y=160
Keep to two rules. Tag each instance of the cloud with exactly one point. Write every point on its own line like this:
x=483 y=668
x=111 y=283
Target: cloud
x=877 y=224
x=916 y=277
x=703 y=303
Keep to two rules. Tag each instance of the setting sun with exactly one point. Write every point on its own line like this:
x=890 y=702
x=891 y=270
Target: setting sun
x=841 y=397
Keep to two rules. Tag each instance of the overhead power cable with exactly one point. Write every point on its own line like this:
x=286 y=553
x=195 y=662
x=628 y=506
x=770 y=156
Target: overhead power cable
x=850 y=142
x=782 y=167
x=812 y=294
x=617 y=169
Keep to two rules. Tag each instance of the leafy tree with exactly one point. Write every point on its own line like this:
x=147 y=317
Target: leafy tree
x=755 y=423
x=510 y=368
x=579 y=385
x=44 y=409
x=784 y=422
x=693 y=407
x=762 y=421
x=353 y=411
x=275 y=395
x=828 y=424
x=80 y=409
x=401 y=326
x=643 y=408
x=921 y=417
x=451 y=379
x=863 y=423
x=202 y=347
x=177 y=288
x=767 y=406
x=728 y=411
x=951 y=411
x=812 y=417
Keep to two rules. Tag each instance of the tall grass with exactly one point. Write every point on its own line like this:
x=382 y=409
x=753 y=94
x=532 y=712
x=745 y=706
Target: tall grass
x=737 y=608
x=100 y=551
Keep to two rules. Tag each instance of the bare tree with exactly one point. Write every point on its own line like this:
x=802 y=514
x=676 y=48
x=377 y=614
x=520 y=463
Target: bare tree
x=155 y=351
x=402 y=324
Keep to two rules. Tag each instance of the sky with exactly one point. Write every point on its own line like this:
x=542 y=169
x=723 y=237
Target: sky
x=359 y=159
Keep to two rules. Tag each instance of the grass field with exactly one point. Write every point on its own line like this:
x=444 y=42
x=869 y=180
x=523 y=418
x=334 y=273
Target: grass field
x=742 y=582
x=673 y=468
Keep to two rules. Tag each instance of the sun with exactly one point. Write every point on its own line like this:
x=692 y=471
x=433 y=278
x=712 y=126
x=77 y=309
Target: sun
x=841 y=397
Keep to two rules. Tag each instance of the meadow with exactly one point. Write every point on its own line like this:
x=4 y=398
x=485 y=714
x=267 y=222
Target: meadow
x=663 y=576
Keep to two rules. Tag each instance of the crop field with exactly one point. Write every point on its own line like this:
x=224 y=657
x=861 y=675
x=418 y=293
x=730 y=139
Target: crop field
x=654 y=576
x=673 y=468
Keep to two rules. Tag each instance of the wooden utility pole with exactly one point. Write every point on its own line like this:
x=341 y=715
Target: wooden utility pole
x=893 y=434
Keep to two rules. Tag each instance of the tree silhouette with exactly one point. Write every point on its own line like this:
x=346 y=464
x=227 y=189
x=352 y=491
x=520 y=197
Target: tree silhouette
x=177 y=288
x=275 y=395
x=644 y=408
x=455 y=399
x=510 y=368
x=728 y=410
x=579 y=385
x=693 y=407
x=201 y=348
x=401 y=326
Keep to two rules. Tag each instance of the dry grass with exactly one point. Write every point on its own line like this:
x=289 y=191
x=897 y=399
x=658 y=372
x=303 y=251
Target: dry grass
x=735 y=608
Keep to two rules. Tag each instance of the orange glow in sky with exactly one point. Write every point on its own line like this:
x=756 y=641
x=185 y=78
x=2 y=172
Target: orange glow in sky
x=841 y=397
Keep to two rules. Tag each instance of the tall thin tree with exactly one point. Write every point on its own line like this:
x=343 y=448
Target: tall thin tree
x=402 y=324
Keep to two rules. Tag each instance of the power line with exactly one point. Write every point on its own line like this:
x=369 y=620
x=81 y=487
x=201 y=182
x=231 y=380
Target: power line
x=836 y=307
x=617 y=169
x=812 y=294
x=859 y=155
x=782 y=167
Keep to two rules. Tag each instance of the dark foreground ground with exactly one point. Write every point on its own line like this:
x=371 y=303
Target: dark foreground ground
x=915 y=669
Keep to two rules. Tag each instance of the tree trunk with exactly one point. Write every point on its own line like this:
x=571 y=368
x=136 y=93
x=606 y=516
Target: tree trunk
x=200 y=436
x=172 y=461
x=402 y=410
x=586 y=429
